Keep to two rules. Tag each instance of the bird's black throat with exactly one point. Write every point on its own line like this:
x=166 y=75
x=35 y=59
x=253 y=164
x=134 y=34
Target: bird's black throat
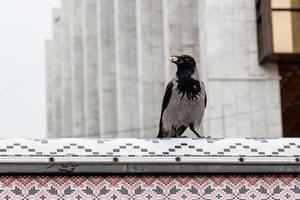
x=186 y=85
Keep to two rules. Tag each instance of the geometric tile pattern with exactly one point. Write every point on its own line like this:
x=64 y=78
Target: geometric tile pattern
x=150 y=187
x=208 y=147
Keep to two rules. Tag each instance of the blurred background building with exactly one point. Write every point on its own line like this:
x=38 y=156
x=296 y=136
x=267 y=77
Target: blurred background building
x=107 y=65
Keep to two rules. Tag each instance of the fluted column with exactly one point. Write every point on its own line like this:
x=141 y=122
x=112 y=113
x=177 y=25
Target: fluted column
x=66 y=67
x=107 y=68
x=57 y=73
x=77 y=68
x=91 y=71
x=151 y=61
x=127 y=69
x=181 y=30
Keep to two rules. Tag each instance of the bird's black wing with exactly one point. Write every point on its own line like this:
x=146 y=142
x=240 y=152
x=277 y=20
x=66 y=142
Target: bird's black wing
x=205 y=95
x=165 y=103
x=205 y=100
x=167 y=96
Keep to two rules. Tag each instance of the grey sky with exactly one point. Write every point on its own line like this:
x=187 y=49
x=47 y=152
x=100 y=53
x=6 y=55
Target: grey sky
x=24 y=26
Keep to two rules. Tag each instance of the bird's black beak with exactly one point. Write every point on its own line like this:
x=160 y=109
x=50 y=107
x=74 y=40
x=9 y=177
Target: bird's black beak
x=173 y=59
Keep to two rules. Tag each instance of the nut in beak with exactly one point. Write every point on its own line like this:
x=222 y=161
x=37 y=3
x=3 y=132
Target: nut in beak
x=173 y=58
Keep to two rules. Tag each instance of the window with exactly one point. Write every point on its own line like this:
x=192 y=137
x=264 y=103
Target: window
x=278 y=23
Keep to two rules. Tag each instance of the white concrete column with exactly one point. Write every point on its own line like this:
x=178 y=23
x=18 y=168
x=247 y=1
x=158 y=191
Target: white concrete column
x=243 y=97
x=127 y=69
x=181 y=30
x=150 y=61
x=66 y=67
x=91 y=73
x=107 y=68
x=78 y=119
x=57 y=73
x=49 y=87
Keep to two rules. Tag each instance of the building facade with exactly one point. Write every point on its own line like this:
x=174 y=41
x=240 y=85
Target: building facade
x=107 y=67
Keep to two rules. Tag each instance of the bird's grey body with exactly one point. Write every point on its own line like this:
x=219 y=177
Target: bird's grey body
x=182 y=111
x=183 y=105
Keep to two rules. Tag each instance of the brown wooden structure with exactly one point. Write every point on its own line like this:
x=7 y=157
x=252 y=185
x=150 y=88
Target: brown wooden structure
x=278 y=25
x=277 y=43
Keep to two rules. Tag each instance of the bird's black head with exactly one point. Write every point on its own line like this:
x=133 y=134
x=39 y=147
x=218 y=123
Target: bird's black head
x=184 y=62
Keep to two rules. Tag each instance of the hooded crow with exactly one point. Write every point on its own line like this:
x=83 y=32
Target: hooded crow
x=184 y=100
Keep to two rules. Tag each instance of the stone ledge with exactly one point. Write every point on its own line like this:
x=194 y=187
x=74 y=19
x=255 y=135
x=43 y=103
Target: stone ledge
x=125 y=156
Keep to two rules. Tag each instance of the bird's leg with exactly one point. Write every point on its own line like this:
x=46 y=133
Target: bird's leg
x=197 y=134
x=194 y=131
x=178 y=131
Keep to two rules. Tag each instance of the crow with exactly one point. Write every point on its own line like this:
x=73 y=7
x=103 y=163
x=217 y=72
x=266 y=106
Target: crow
x=184 y=100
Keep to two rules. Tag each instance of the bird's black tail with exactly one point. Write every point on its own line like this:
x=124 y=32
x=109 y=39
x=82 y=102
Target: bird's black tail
x=160 y=135
x=160 y=132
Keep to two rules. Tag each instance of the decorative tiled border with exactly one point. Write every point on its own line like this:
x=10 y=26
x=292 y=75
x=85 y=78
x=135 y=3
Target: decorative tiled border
x=151 y=156
x=150 y=187
x=131 y=147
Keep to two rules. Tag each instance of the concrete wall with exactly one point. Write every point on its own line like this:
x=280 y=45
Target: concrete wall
x=107 y=70
x=66 y=78
x=77 y=74
x=243 y=97
x=55 y=64
x=119 y=66
x=91 y=69
x=150 y=63
x=128 y=103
